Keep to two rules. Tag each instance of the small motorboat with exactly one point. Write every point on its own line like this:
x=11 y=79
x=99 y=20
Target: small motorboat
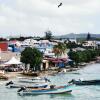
x=11 y=84
x=85 y=82
x=51 y=90
x=3 y=77
x=33 y=80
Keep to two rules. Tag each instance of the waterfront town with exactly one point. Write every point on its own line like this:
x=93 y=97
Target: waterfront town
x=56 y=55
x=49 y=50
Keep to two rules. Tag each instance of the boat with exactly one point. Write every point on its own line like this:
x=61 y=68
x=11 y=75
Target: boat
x=2 y=77
x=11 y=84
x=33 y=80
x=51 y=90
x=85 y=82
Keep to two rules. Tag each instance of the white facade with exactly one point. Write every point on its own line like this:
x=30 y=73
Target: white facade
x=89 y=44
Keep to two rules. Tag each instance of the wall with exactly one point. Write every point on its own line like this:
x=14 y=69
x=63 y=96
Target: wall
x=3 y=46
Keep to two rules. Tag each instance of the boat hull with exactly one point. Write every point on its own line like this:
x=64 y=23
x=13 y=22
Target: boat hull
x=33 y=80
x=39 y=93
x=58 y=90
x=27 y=86
x=86 y=82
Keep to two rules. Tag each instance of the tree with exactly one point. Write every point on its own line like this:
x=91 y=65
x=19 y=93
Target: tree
x=71 y=45
x=3 y=39
x=74 y=56
x=88 y=36
x=83 y=56
x=48 y=35
x=32 y=57
x=59 y=49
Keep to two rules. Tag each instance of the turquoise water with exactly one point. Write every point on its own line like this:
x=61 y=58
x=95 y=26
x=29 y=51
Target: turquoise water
x=78 y=93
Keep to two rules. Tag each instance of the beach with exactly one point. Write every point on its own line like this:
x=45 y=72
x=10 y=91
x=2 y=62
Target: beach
x=50 y=72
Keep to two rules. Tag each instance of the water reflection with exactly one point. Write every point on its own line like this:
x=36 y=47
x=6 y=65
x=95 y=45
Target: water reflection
x=60 y=95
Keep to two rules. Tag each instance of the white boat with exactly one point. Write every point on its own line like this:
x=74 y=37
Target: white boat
x=33 y=80
x=12 y=84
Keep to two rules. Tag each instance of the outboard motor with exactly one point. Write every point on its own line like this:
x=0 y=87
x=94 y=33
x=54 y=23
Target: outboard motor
x=47 y=80
x=72 y=81
x=52 y=86
x=11 y=82
x=21 y=89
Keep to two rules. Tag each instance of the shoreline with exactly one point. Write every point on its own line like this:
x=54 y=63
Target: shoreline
x=50 y=72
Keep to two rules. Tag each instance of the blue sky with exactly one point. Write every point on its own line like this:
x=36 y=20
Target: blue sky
x=34 y=17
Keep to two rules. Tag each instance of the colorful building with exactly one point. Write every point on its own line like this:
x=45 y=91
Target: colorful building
x=3 y=46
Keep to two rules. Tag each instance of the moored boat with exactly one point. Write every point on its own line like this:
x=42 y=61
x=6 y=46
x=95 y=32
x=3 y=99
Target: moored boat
x=52 y=90
x=33 y=80
x=11 y=84
x=85 y=82
x=3 y=78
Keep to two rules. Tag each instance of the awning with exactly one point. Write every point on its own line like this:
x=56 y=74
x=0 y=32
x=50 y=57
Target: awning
x=13 y=60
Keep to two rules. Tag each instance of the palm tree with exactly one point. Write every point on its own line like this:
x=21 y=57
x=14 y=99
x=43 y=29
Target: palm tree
x=59 y=49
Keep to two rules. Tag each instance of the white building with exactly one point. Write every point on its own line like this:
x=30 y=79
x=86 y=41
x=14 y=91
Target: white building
x=90 y=44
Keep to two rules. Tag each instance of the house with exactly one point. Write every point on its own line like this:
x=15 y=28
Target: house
x=28 y=43
x=98 y=44
x=79 y=49
x=44 y=65
x=73 y=40
x=3 y=46
x=90 y=44
x=57 y=62
x=14 y=46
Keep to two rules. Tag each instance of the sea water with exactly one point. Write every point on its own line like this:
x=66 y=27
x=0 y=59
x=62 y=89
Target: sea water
x=78 y=93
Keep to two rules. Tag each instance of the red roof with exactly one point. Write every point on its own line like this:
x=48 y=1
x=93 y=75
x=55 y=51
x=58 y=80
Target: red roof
x=57 y=60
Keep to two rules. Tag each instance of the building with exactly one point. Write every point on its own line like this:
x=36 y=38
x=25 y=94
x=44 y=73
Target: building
x=90 y=44
x=3 y=46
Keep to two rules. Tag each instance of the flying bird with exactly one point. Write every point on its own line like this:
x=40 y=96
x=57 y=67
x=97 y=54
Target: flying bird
x=59 y=5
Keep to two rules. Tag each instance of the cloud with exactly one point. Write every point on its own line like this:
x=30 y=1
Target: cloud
x=34 y=17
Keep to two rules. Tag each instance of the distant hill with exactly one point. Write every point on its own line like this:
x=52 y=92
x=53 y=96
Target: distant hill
x=81 y=35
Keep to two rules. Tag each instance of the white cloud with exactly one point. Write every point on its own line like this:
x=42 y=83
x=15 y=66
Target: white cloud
x=36 y=16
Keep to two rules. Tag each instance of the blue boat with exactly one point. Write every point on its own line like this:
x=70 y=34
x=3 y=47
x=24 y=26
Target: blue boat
x=52 y=90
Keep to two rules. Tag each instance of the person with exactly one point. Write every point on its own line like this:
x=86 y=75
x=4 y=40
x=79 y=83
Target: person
x=47 y=80
x=52 y=86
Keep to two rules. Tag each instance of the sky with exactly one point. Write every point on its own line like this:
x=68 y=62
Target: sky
x=34 y=17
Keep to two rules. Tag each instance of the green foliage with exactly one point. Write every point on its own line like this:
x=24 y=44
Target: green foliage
x=33 y=57
x=74 y=56
x=26 y=55
x=20 y=38
x=3 y=39
x=59 y=49
x=71 y=45
x=83 y=56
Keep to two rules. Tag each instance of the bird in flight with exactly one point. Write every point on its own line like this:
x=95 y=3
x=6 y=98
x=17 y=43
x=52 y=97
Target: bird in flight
x=59 y=5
